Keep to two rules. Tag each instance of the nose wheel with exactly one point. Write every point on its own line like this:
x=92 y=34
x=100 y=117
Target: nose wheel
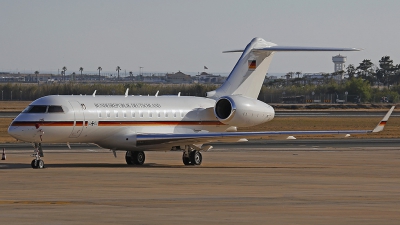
x=38 y=163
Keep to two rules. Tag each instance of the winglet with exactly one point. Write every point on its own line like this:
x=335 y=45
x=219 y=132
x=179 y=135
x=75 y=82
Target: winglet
x=382 y=123
x=94 y=93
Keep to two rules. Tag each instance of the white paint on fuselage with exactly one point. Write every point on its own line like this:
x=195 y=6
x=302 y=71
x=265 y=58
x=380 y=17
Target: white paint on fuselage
x=102 y=116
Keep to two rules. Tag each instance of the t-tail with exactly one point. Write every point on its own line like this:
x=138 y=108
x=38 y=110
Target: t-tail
x=248 y=75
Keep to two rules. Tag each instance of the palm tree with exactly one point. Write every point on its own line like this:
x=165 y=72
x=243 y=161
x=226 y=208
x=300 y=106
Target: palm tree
x=64 y=69
x=73 y=76
x=37 y=73
x=81 y=69
x=118 y=69
x=99 y=69
x=288 y=75
x=131 y=74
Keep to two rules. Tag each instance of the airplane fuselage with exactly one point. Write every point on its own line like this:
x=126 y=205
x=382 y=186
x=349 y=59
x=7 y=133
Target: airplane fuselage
x=99 y=119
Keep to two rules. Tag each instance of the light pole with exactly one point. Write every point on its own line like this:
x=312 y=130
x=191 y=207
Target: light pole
x=140 y=70
x=346 y=93
x=2 y=95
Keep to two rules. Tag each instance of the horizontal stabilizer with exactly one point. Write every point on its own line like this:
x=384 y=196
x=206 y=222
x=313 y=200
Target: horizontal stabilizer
x=298 y=49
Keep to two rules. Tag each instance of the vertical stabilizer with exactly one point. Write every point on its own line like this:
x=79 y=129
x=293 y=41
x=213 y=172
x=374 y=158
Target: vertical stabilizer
x=249 y=72
x=248 y=75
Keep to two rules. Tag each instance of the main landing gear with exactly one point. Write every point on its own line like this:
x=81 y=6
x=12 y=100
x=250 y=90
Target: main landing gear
x=191 y=157
x=38 y=163
x=135 y=157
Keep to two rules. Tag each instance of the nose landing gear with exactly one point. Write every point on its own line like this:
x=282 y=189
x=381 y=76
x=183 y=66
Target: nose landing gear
x=38 y=163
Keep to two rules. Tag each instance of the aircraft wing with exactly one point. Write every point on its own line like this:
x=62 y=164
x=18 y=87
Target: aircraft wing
x=201 y=138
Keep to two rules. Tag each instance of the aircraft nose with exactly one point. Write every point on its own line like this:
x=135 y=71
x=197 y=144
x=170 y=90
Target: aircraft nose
x=14 y=131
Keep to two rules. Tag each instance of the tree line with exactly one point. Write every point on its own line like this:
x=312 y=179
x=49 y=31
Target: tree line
x=29 y=92
x=368 y=82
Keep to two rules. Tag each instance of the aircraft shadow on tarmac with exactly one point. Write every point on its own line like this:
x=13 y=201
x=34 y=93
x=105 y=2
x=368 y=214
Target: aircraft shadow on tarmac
x=147 y=165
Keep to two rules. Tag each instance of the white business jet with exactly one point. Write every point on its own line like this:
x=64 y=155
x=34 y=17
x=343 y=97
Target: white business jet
x=161 y=123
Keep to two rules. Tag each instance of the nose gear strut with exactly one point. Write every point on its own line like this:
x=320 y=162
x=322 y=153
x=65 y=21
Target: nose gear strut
x=37 y=163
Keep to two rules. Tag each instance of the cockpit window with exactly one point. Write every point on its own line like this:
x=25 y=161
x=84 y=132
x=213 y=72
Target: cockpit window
x=55 y=109
x=36 y=109
x=43 y=109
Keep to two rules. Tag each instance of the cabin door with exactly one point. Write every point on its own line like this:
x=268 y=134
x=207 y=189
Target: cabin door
x=79 y=119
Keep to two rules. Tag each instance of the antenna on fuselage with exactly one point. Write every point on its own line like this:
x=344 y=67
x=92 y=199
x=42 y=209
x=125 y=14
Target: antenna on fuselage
x=179 y=94
x=94 y=93
x=126 y=92
x=157 y=93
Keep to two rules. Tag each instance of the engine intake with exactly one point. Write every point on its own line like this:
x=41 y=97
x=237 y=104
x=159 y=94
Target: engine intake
x=225 y=108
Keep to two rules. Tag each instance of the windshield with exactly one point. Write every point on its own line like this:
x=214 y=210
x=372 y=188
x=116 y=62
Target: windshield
x=43 y=109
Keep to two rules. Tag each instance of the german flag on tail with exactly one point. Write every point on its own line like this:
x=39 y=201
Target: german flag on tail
x=252 y=64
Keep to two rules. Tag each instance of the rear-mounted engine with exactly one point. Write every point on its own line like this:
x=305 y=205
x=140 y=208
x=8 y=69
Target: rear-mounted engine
x=237 y=110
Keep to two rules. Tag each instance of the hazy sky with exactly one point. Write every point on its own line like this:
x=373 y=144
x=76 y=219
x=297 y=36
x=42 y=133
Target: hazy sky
x=171 y=35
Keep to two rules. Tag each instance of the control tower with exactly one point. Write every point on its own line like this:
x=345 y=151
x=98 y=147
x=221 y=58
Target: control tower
x=339 y=61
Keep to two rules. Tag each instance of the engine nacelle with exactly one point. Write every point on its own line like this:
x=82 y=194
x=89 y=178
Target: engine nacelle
x=237 y=110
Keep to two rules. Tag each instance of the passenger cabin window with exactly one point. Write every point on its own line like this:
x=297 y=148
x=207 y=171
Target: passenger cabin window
x=133 y=114
x=116 y=113
x=99 y=112
x=108 y=114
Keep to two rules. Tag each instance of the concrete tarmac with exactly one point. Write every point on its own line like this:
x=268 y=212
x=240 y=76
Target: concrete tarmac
x=343 y=184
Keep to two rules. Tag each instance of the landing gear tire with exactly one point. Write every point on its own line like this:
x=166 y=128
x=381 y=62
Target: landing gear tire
x=37 y=164
x=128 y=157
x=196 y=158
x=139 y=158
x=135 y=158
x=186 y=160
x=33 y=164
